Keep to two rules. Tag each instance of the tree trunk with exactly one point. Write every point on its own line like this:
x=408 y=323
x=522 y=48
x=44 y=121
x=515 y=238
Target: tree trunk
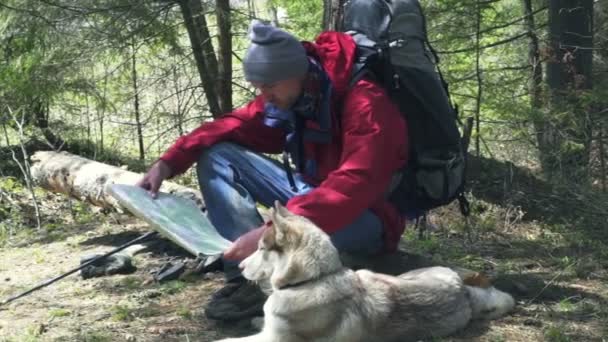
x=332 y=14
x=275 y=16
x=178 y=103
x=535 y=83
x=140 y=137
x=194 y=19
x=42 y=122
x=251 y=8
x=101 y=113
x=88 y=119
x=601 y=82
x=479 y=78
x=569 y=71
x=86 y=179
x=222 y=8
x=602 y=154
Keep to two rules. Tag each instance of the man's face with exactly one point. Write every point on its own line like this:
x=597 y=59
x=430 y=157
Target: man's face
x=282 y=94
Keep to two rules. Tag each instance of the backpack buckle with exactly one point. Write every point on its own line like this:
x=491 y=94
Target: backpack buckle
x=396 y=81
x=397 y=43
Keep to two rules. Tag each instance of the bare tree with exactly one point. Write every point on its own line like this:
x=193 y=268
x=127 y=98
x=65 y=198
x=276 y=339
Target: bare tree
x=202 y=48
x=138 y=124
x=24 y=165
x=101 y=109
x=222 y=9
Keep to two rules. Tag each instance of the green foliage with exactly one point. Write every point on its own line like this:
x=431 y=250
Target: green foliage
x=303 y=19
x=72 y=62
x=130 y=282
x=11 y=217
x=31 y=334
x=95 y=336
x=423 y=246
x=184 y=312
x=55 y=313
x=173 y=287
x=122 y=313
x=556 y=334
x=82 y=213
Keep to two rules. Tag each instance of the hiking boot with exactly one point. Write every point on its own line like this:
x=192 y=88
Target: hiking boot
x=211 y=263
x=238 y=300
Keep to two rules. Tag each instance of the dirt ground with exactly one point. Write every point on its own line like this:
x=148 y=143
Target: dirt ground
x=561 y=285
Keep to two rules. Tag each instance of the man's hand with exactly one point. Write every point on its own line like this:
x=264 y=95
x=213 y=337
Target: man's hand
x=245 y=245
x=155 y=177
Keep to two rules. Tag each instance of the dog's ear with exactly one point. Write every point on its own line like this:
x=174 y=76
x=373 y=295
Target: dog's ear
x=278 y=221
x=285 y=234
x=281 y=210
x=279 y=229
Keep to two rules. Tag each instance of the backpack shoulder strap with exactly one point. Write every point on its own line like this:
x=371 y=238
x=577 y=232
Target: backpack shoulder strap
x=365 y=51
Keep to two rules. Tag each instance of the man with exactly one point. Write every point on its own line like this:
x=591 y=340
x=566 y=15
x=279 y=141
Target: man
x=347 y=143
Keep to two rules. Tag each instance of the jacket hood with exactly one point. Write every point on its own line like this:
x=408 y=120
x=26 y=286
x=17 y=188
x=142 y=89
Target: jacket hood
x=336 y=53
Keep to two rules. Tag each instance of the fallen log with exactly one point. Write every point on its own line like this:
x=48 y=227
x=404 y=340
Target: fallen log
x=86 y=179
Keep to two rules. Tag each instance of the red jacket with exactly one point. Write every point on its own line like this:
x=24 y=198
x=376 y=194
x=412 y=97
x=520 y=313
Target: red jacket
x=369 y=144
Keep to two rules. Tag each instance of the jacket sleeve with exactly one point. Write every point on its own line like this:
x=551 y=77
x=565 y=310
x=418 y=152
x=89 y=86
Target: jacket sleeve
x=374 y=140
x=243 y=126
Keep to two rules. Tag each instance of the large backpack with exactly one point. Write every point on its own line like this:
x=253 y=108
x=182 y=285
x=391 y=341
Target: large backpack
x=393 y=48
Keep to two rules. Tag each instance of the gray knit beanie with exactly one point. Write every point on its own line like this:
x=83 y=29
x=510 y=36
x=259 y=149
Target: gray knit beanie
x=273 y=55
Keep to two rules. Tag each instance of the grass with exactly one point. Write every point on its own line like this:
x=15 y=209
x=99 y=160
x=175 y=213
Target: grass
x=184 y=312
x=556 y=334
x=59 y=312
x=122 y=313
x=127 y=312
x=149 y=310
x=31 y=334
x=82 y=212
x=423 y=246
x=95 y=336
x=172 y=287
x=130 y=283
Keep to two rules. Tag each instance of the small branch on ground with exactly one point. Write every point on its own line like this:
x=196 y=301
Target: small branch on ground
x=559 y=274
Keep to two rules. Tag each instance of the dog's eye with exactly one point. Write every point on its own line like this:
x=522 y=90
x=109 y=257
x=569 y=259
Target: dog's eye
x=262 y=248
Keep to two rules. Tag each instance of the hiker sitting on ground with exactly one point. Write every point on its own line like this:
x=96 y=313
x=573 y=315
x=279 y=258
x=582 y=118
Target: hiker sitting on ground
x=346 y=141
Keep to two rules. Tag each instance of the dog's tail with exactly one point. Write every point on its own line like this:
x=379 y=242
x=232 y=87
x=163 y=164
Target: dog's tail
x=489 y=302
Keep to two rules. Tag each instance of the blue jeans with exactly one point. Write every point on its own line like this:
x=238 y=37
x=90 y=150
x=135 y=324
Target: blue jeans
x=232 y=179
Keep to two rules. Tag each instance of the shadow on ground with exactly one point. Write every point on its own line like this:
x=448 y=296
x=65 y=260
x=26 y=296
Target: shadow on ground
x=503 y=183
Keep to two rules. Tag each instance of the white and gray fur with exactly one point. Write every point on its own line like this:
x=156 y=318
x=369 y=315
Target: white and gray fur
x=314 y=298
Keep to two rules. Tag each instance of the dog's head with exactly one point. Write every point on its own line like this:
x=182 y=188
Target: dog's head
x=291 y=251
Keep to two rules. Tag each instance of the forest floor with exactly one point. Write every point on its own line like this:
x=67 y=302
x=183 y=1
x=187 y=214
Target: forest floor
x=548 y=248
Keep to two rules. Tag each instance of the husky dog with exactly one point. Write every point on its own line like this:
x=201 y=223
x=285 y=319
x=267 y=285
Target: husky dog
x=314 y=298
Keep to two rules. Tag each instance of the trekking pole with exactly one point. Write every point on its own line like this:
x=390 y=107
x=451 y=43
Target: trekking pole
x=50 y=281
